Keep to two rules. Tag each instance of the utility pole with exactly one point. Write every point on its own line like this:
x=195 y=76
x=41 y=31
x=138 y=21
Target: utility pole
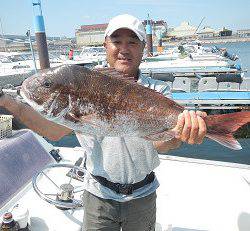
x=40 y=35
x=149 y=37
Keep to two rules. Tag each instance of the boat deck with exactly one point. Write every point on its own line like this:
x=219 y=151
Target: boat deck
x=194 y=195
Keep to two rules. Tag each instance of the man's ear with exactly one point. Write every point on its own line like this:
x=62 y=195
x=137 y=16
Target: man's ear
x=143 y=46
x=105 y=44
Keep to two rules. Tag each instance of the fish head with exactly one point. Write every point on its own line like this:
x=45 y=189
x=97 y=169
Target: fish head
x=47 y=90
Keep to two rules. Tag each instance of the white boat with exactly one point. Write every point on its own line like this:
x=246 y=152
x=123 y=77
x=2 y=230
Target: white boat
x=17 y=66
x=189 y=57
x=13 y=68
x=194 y=195
x=183 y=63
x=95 y=55
x=13 y=62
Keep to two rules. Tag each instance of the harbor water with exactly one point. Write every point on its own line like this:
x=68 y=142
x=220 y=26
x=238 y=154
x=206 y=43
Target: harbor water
x=208 y=149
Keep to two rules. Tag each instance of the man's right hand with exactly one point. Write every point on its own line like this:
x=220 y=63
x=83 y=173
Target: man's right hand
x=1 y=92
x=191 y=127
x=32 y=119
x=3 y=99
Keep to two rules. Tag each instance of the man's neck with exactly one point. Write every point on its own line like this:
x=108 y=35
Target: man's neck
x=136 y=75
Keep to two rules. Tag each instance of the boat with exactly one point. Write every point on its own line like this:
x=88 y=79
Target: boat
x=194 y=194
x=88 y=55
x=191 y=57
x=14 y=68
x=198 y=77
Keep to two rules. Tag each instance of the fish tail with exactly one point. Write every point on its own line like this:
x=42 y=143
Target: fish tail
x=220 y=128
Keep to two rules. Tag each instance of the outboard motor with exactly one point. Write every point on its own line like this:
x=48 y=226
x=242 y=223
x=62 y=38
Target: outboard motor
x=232 y=57
x=215 y=49
x=237 y=66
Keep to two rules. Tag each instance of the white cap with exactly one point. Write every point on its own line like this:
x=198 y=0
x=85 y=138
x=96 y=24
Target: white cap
x=126 y=21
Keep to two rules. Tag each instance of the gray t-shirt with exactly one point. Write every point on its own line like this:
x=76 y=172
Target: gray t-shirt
x=121 y=159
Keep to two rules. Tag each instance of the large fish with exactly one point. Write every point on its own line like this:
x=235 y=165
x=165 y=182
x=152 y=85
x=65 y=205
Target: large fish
x=105 y=102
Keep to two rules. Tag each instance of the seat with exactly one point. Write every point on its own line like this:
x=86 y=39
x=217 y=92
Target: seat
x=207 y=84
x=181 y=84
x=245 y=85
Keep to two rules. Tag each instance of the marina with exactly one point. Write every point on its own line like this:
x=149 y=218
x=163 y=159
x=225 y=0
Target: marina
x=202 y=187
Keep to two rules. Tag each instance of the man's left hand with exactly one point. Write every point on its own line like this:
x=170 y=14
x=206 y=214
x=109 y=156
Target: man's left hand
x=191 y=127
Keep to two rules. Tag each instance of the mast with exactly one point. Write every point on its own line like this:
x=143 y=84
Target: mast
x=32 y=50
x=199 y=25
x=5 y=48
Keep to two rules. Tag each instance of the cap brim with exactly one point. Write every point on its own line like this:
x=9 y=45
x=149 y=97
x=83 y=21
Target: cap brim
x=110 y=32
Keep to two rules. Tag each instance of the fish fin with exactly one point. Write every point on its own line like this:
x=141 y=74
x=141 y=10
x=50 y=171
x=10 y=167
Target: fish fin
x=220 y=128
x=85 y=119
x=71 y=117
x=164 y=136
x=88 y=119
x=116 y=74
x=226 y=140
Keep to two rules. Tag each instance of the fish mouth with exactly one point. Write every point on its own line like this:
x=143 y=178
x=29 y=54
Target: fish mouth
x=27 y=96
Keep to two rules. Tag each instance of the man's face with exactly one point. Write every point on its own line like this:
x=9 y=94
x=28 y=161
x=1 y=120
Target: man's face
x=124 y=51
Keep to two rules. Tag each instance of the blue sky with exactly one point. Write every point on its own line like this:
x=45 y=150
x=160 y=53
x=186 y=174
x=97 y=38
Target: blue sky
x=62 y=17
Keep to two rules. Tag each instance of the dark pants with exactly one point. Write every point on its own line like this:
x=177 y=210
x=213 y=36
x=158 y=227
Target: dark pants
x=109 y=215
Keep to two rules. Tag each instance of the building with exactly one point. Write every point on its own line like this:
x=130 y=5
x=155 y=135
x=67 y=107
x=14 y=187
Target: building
x=225 y=32
x=185 y=30
x=206 y=32
x=90 y=34
x=93 y=35
x=243 y=33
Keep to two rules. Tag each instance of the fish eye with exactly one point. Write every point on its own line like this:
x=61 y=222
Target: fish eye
x=47 y=83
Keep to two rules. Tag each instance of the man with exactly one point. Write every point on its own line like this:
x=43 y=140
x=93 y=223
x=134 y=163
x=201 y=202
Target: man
x=71 y=54
x=120 y=183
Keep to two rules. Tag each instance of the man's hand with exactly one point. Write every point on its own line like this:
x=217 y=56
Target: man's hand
x=1 y=92
x=3 y=99
x=32 y=119
x=191 y=127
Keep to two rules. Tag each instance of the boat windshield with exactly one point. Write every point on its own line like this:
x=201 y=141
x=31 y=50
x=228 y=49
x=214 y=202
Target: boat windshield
x=93 y=50
x=21 y=156
x=16 y=58
x=4 y=59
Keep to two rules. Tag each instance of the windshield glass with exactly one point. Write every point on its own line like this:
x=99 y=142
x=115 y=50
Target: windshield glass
x=21 y=156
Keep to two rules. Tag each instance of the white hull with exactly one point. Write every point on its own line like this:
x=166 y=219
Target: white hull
x=183 y=63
